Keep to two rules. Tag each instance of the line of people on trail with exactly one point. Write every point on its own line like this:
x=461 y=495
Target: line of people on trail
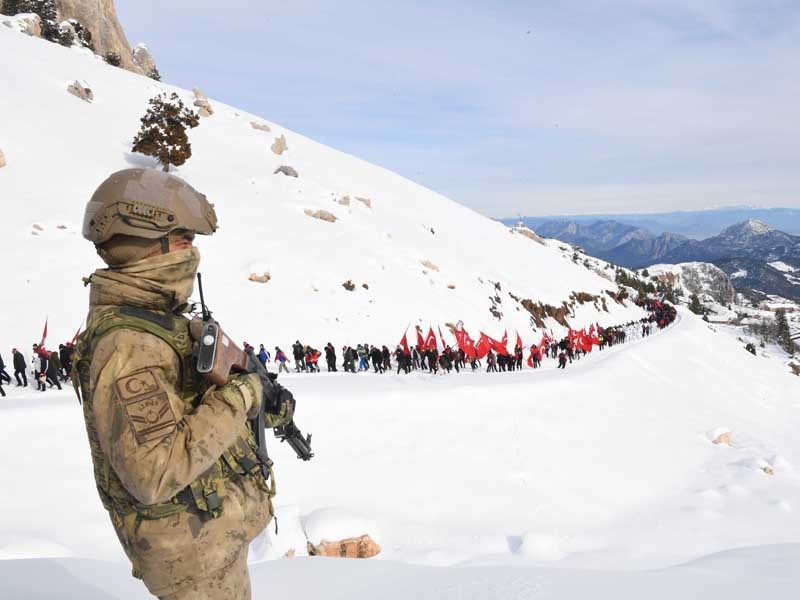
x=47 y=369
x=366 y=357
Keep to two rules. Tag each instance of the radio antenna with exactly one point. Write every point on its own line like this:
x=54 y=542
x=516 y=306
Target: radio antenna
x=206 y=312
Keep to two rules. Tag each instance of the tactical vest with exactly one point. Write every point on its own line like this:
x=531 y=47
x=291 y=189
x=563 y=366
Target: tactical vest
x=207 y=493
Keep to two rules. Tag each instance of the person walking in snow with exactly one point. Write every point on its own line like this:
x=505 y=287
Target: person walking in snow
x=65 y=352
x=376 y=357
x=562 y=360
x=415 y=358
x=361 y=352
x=330 y=357
x=263 y=355
x=19 y=368
x=299 y=353
x=53 y=369
x=387 y=359
x=281 y=359
x=491 y=361
x=349 y=359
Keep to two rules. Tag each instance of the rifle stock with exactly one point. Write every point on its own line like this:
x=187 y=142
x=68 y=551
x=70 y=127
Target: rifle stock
x=219 y=356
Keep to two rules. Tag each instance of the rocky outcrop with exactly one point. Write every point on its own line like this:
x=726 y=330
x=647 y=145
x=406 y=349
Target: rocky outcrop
x=27 y=23
x=81 y=89
x=696 y=278
x=359 y=547
x=260 y=126
x=201 y=102
x=322 y=215
x=365 y=201
x=344 y=200
x=528 y=233
x=145 y=61
x=280 y=146
x=100 y=18
x=429 y=265
x=288 y=171
x=2 y=159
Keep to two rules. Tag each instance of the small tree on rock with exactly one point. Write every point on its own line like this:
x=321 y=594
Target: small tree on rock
x=695 y=305
x=163 y=132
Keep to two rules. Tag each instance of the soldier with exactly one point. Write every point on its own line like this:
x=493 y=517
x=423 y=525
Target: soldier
x=174 y=459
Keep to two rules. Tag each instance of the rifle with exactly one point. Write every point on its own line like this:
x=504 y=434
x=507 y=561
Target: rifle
x=219 y=357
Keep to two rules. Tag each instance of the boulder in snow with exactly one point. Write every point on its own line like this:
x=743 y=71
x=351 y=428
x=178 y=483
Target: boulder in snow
x=720 y=436
x=344 y=200
x=365 y=201
x=349 y=285
x=2 y=159
x=81 y=89
x=279 y=147
x=28 y=23
x=260 y=126
x=260 y=278
x=322 y=215
x=201 y=102
x=359 y=547
x=288 y=171
x=339 y=533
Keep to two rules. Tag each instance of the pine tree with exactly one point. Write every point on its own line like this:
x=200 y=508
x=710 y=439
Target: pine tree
x=695 y=306
x=113 y=59
x=154 y=74
x=10 y=7
x=163 y=131
x=782 y=333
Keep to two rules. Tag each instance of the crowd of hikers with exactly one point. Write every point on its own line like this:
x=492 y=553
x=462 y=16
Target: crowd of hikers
x=49 y=369
x=487 y=352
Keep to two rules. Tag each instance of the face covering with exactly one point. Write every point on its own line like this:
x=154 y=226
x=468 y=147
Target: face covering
x=173 y=272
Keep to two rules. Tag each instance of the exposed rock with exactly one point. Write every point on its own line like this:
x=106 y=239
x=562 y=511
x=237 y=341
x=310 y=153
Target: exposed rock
x=81 y=90
x=723 y=438
x=27 y=23
x=450 y=286
x=322 y=215
x=279 y=147
x=528 y=233
x=100 y=18
x=262 y=278
x=365 y=201
x=793 y=366
x=768 y=470
x=38 y=227
x=144 y=59
x=204 y=108
x=349 y=285
x=696 y=278
x=288 y=171
x=344 y=200
x=290 y=553
x=2 y=159
x=429 y=265
x=365 y=286
x=358 y=547
x=260 y=126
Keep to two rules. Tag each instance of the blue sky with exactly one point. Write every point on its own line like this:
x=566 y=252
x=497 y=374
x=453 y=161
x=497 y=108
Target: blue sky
x=515 y=107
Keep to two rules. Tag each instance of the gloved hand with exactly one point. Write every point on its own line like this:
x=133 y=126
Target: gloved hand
x=279 y=405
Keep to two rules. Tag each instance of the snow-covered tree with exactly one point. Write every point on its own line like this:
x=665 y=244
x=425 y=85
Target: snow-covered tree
x=782 y=332
x=163 y=132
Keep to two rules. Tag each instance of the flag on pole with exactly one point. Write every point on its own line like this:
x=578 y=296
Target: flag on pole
x=404 y=342
x=430 y=341
x=441 y=337
x=518 y=342
x=483 y=346
x=77 y=333
x=420 y=341
x=44 y=333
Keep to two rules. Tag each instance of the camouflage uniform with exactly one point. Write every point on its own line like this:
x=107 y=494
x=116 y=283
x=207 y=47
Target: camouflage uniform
x=174 y=458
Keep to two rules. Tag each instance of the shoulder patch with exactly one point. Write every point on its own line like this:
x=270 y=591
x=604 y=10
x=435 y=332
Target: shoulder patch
x=146 y=405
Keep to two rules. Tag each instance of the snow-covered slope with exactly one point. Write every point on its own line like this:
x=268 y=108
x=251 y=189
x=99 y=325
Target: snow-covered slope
x=59 y=148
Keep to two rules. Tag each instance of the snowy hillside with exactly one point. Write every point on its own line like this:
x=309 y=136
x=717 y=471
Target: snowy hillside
x=59 y=148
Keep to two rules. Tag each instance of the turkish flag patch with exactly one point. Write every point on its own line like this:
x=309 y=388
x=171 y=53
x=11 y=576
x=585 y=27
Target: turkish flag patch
x=146 y=406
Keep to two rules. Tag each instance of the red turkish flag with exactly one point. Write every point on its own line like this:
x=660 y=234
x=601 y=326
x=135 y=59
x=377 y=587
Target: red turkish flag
x=499 y=347
x=420 y=341
x=466 y=343
x=543 y=346
x=483 y=346
x=530 y=358
x=44 y=333
x=519 y=341
x=404 y=343
x=430 y=341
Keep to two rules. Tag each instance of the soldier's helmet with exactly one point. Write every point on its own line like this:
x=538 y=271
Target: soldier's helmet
x=146 y=203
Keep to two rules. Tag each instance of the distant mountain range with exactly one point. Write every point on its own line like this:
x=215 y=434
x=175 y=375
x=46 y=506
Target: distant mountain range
x=698 y=224
x=753 y=254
